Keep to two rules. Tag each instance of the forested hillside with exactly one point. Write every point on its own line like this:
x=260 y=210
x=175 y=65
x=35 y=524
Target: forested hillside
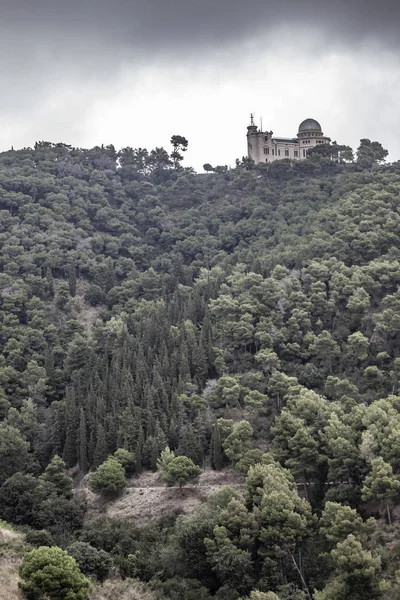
x=153 y=318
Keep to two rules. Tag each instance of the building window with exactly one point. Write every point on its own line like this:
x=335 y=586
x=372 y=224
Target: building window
x=266 y=150
x=296 y=153
x=304 y=153
x=266 y=138
x=266 y=160
x=279 y=152
x=286 y=152
x=273 y=152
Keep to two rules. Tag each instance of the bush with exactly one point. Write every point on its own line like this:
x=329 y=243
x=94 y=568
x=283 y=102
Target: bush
x=179 y=470
x=18 y=499
x=39 y=538
x=52 y=574
x=184 y=589
x=92 y=562
x=128 y=589
x=109 y=478
x=126 y=459
x=94 y=295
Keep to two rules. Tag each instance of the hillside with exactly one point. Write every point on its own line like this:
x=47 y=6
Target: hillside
x=12 y=548
x=146 y=499
x=248 y=319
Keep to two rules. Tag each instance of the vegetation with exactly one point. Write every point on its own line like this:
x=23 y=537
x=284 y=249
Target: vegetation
x=155 y=318
x=109 y=478
x=51 y=573
x=177 y=469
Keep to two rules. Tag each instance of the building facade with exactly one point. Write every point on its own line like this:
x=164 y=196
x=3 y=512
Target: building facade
x=263 y=147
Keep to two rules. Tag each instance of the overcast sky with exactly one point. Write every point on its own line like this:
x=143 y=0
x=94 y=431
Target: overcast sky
x=135 y=72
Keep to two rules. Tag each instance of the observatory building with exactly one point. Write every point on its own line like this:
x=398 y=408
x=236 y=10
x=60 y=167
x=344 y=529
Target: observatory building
x=262 y=146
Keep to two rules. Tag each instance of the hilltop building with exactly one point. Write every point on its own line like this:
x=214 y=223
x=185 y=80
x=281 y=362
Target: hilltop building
x=263 y=147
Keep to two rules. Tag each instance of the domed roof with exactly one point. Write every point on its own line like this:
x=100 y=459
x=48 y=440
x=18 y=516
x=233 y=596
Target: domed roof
x=309 y=125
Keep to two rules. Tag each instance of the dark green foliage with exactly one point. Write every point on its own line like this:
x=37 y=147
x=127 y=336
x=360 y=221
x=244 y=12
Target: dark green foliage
x=217 y=458
x=94 y=295
x=245 y=317
x=39 y=538
x=18 y=499
x=184 y=589
x=61 y=516
x=14 y=452
x=92 y=562
x=56 y=476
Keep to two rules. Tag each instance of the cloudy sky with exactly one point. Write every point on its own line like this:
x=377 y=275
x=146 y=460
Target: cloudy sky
x=135 y=72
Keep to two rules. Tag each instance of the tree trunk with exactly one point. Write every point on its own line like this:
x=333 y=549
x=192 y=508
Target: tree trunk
x=388 y=513
x=301 y=576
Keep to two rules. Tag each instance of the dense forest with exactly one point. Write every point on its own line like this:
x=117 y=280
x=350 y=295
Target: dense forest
x=153 y=318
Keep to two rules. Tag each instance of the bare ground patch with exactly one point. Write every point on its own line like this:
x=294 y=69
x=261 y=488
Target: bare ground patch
x=10 y=560
x=147 y=499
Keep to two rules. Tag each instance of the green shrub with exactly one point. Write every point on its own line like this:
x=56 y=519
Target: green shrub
x=51 y=574
x=39 y=538
x=109 y=479
x=92 y=562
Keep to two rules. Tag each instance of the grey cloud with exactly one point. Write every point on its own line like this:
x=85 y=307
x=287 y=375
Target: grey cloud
x=82 y=46
x=162 y=25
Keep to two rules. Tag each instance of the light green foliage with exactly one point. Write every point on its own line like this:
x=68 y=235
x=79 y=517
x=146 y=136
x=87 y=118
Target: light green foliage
x=109 y=478
x=357 y=573
x=358 y=345
x=50 y=573
x=125 y=458
x=178 y=470
x=284 y=517
x=381 y=484
x=338 y=521
x=238 y=441
x=165 y=458
x=256 y=595
x=249 y=459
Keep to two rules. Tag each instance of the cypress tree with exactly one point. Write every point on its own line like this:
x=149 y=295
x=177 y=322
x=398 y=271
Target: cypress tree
x=217 y=456
x=72 y=280
x=101 y=450
x=83 y=445
x=49 y=362
x=173 y=434
x=50 y=283
x=72 y=424
x=91 y=446
x=138 y=458
x=191 y=447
